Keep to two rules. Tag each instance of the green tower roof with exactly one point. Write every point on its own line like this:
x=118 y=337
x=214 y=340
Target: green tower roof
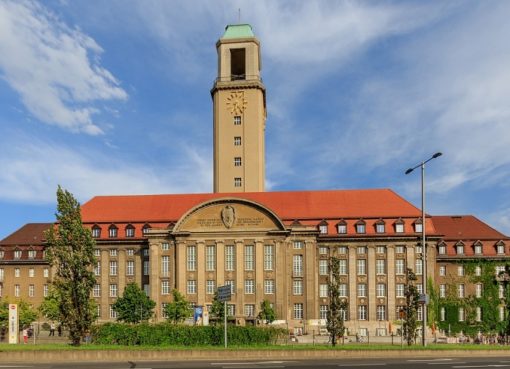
x=238 y=31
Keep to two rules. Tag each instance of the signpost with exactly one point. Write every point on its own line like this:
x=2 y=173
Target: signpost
x=13 y=323
x=224 y=294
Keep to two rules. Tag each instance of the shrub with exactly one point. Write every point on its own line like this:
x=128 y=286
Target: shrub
x=165 y=334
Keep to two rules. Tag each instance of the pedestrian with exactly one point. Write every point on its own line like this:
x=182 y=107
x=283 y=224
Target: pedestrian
x=25 y=336
x=52 y=329
x=60 y=330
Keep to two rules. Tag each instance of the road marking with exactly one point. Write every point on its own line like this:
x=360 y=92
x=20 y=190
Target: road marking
x=16 y=366
x=251 y=363
x=367 y=364
x=482 y=366
x=448 y=363
x=428 y=360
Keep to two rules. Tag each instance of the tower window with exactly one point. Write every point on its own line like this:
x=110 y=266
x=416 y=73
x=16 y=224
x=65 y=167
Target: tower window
x=237 y=120
x=237 y=141
x=238 y=64
x=237 y=161
x=237 y=182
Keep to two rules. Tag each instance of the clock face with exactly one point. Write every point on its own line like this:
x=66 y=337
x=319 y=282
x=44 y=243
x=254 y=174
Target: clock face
x=236 y=102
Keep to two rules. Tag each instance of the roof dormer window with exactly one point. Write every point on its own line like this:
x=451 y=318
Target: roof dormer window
x=146 y=228
x=341 y=227
x=360 y=226
x=441 y=248
x=17 y=254
x=130 y=231
x=478 y=248
x=380 y=226
x=112 y=231
x=399 y=226
x=460 y=248
x=323 y=227
x=96 y=231
x=500 y=248
x=418 y=226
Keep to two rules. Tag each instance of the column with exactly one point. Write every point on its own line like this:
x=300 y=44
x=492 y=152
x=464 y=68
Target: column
x=390 y=268
x=259 y=274
x=239 y=247
x=154 y=280
x=201 y=273
x=371 y=285
x=353 y=280
x=105 y=285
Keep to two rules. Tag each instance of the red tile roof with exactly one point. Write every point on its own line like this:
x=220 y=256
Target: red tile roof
x=373 y=203
x=29 y=234
x=465 y=227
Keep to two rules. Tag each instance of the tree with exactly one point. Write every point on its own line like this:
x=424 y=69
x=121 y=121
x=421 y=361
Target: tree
x=49 y=308
x=217 y=309
x=411 y=308
x=337 y=305
x=70 y=249
x=503 y=278
x=134 y=306
x=179 y=309
x=267 y=313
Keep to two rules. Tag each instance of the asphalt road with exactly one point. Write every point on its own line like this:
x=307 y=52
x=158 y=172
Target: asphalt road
x=432 y=363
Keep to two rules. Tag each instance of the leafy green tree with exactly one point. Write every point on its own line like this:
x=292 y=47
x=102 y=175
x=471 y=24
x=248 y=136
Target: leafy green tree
x=70 y=249
x=134 y=306
x=411 y=308
x=49 y=308
x=26 y=313
x=217 y=309
x=503 y=278
x=337 y=305
x=267 y=313
x=179 y=309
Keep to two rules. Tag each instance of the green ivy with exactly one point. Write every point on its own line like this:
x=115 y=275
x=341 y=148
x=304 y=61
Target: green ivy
x=489 y=302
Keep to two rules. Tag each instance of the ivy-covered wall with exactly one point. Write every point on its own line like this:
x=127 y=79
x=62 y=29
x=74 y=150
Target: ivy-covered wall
x=489 y=302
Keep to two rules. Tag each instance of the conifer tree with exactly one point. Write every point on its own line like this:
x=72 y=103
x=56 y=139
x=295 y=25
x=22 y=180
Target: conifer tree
x=411 y=308
x=70 y=250
x=337 y=305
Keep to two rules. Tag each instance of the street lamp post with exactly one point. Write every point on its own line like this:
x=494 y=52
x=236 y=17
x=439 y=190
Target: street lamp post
x=423 y=244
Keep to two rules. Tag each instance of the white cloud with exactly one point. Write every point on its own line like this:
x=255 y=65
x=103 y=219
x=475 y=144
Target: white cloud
x=55 y=69
x=31 y=170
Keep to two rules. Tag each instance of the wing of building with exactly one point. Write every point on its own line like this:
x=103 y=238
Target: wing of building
x=266 y=245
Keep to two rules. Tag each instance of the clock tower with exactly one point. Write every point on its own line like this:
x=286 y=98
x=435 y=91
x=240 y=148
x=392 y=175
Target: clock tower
x=239 y=113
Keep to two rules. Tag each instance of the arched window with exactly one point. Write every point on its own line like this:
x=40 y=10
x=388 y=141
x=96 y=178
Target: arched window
x=112 y=231
x=96 y=231
x=130 y=231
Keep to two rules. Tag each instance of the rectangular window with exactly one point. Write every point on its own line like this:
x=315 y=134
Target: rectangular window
x=16 y=290
x=210 y=258
x=323 y=311
x=323 y=250
x=501 y=313
x=237 y=141
x=362 y=312
x=298 y=311
x=460 y=271
x=130 y=267
x=400 y=266
x=501 y=249
x=113 y=290
x=146 y=251
x=399 y=290
x=2 y=254
x=113 y=268
x=164 y=313
x=165 y=266
x=323 y=290
x=342 y=228
x=361 y=250
x=191 y=287
x=237 y=120
x=97 y=269
x=381 y=250
x=342 y=250
x=419 y=249
x=478 y=316
x=297 y=287
x=165 y=246
x=31 y=273
x=381 y=290
x=399 y=228
x=478 y=249
x=232 y=285
x=130 y=232
x=229 y=258
x=419 y=315
x=17 y=273
x=442 y=314
x=237 y=182
x=342 y=290
x=478 y=290
x=323 y=267
x=268 y=257
x=381 y=312
x=210 y=287
x=97 y=253
x=298 y=245
x=360 y=228
x=237 y=161
x=501 y=291
x=323 y=229
x=191 y=258
x=147 y=289
x=461 y=314
x=96 y=291
x=442 y=290
x=478 y=271
x=419 y=267
x=380 y=266
x=297 y=266
x=17 y=254
x=362 y=290
x=249 y=257
x=165 y=287
x=249 y=286
x=249 y=310
x=418 y=227
x=112 y=232
x=361 y=266
x=96 y=232
x=31 y=290
x=269 y=286
x=130 y=252
x=113 y=313
x=419 y=288
x=342 y=267
x=460 y=291
x=146 y=267
x=379 y=228
x=2 y=274
x=45 y=291
x=442 y=270
x=113 y=252
x=31 y=254
x=460 y=249
x=231 y=310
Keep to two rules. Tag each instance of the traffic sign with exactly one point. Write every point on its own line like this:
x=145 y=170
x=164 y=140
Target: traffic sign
x=224 y=293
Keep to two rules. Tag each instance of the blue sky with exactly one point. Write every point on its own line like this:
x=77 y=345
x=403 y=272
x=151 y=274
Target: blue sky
x=112 y=97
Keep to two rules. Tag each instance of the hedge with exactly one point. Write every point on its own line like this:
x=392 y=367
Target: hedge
x=164 y=334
